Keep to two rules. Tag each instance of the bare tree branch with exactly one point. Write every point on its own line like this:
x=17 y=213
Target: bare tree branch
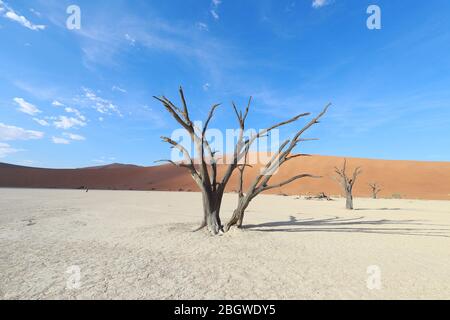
x=185 y=108
x=301 y=176
x=297 y=156
x=261 y=182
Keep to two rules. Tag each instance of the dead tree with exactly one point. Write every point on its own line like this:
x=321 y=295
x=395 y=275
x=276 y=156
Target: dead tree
x=347 y=183
x=212 y=190
x=261 y=182
x=375 y=189
x=205 y=172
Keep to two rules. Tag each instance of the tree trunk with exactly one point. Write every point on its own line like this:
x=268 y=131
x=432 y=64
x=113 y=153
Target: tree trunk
x=213 y=222
x=349 y=201
x=241 y=220
x=233 y=220
x=211 y=207
x=237 y=218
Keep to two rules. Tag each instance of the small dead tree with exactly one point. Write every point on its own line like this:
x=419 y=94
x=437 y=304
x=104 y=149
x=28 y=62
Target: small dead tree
x=347 y=183
x=204 y=170
x=375 y=189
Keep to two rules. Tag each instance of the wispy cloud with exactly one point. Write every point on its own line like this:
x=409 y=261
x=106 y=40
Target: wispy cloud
x=10 y=133
x=26 y=107
x=99 y=161
x=65 y=123
x=57 y=140
x=39 y=91
x=56 y=103
x=76 y=112
x=37 y=13
x=202 y=26
x=67 y=138
x=130 y=39
x=117 y=88
x=102 y=44
x=75 y=137
x=100 y=104
x=320 y=3
x=6 y=149
x=215 y=14
x=214 y=8
x=104 y=160
x=42 y=122
x=7 y=12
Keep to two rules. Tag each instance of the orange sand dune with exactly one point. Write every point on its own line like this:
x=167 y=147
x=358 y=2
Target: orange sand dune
x=406 y=179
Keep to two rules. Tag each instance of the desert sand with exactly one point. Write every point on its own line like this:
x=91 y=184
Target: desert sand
x=139 y=245
x=405 y=179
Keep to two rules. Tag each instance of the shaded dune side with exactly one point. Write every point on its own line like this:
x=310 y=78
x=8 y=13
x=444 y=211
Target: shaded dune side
x=406 y=179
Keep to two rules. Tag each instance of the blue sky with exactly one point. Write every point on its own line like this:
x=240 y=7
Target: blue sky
x=74 y=98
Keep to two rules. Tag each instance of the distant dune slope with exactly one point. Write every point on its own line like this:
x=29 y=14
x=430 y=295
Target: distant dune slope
x=406 y=179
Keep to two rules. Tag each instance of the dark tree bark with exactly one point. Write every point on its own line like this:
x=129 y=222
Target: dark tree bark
x=347 y=183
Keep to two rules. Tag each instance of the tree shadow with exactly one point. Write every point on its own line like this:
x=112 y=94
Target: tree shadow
x=353 y=225
x=378 y=209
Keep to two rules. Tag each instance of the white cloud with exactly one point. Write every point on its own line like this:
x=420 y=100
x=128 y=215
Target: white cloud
x=130 y=39
x=9 y=133
x=76 y=112
x=37 y=13
x=104 y=160
x=35 y=90
x=320 y=3
x=42 y=122
x=215 y=14
x=27 y=162
x=65 y=123
x=214 y=8
x=26 y=107
x=6 y=149
x=57 y=140
x=68 y=137
x=75 y=137
x=102 y=43
x=9 y=13
x=116 y=88
x=103 y=106
x=57 y=103
x=202 y=26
